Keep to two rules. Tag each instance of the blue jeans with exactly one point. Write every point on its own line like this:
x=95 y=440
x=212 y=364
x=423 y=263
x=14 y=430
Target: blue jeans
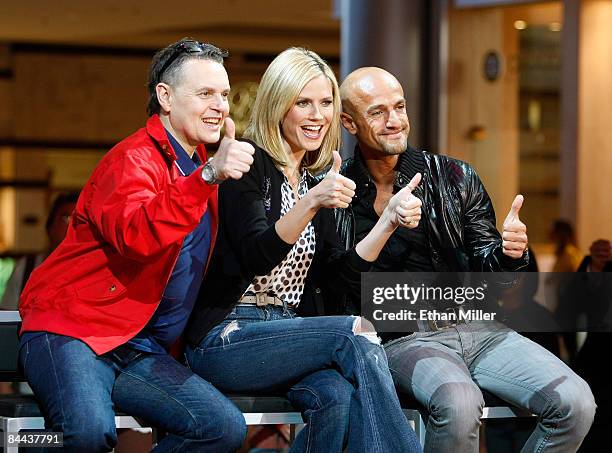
x=78 y=392
x=338 y=378
x=445 y=371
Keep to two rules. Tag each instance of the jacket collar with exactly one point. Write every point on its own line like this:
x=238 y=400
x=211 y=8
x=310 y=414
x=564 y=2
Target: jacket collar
x=157 y=132
x=357 y=171
x=408 y=161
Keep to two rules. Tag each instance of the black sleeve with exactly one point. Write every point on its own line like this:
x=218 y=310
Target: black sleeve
x=483 y=241
x=242 y=212
x=340 y=269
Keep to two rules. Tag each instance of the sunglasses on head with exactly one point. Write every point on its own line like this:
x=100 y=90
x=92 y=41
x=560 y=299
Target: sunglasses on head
x=190 y=47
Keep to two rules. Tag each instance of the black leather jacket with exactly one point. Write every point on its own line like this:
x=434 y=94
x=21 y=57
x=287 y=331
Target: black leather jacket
x=457 y=212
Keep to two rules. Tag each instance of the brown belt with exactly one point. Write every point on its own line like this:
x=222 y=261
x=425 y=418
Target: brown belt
x=261 y=300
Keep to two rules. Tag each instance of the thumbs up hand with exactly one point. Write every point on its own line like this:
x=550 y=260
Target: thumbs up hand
x=404 y=209
x=233 y=158
x=335 y=168
x=335 y=190
x=514 y=234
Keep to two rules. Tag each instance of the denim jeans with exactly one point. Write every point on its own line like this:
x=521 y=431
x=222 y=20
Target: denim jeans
x=445 y=371
x=78 y=392
x=339 y=379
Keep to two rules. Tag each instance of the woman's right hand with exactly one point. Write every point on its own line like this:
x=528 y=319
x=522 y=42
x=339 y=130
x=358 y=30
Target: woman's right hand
x=335 y=190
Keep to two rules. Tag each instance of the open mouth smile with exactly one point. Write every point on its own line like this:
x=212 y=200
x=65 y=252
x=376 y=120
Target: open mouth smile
x=213 y=123
x=312 y=132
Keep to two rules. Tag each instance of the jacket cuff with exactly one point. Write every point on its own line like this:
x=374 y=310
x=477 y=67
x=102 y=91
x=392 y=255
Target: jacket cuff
x=511 y=264
x=275 y=248
x=197 y=188
x=357 y=263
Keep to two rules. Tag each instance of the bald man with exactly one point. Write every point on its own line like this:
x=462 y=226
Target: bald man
x=446 y=364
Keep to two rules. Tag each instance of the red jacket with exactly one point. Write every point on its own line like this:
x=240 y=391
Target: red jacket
x=105 y=280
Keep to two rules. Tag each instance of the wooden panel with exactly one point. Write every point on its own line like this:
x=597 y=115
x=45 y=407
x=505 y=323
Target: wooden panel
x=79 y=97
x=594 y=213
x=476 y=104
x=6 y=89
x=492 y=109
x=6 y=119
x=7 y=215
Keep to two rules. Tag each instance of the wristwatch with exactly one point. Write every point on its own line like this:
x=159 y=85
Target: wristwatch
x=209 y=173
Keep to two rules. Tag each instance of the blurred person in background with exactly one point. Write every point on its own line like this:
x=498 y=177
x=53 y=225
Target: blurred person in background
x=56 y=227
x=567 y=254
x=590 y=305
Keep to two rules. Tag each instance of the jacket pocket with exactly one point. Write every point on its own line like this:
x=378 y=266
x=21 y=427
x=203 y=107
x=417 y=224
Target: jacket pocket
x=101 y=287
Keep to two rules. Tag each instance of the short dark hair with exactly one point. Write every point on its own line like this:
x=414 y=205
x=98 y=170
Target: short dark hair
x=167 y=62
x=62 y=199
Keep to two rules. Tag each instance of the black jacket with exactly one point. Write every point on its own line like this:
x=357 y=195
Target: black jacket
x=248 y=245
x=457 y=212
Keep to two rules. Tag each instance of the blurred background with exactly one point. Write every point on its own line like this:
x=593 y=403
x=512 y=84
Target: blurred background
x=520 y=89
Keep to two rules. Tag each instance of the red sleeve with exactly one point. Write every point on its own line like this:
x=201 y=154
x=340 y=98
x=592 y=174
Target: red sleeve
x=137 y=211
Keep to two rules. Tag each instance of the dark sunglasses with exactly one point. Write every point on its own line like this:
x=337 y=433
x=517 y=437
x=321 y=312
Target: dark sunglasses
x=184 y=47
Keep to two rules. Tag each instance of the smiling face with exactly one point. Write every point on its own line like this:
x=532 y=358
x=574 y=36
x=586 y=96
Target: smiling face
x=307 y=121
x=376 y=112
x=194 y=108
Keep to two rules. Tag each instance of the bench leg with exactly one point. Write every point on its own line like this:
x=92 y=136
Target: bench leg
x=294 y=430
x=15 y=425
x=417 y=424
x=3 y=431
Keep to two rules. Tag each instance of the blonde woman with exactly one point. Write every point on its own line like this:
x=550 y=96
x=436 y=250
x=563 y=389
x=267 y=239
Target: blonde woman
x=276 y=234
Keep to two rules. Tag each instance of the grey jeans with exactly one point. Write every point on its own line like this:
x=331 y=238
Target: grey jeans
x=445 y=370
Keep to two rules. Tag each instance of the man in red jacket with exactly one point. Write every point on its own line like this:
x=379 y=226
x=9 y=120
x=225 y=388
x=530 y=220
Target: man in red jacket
x=100 y=314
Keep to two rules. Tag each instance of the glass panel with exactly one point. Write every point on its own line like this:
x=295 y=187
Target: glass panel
x=539 y=124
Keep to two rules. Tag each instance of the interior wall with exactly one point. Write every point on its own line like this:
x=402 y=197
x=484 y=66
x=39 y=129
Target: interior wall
x=594 y=160
x=482 y=114
x=78 y=97
x=483 y=118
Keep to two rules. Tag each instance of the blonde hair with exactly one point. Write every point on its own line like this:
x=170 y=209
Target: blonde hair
x=278 y=90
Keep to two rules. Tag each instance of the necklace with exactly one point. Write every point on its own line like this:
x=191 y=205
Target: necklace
x=292 y=177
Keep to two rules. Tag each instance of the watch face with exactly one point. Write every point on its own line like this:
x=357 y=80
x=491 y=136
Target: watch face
x=208 y=174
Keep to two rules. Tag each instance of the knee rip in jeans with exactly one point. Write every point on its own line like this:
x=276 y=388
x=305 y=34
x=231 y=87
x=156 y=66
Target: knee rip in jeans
x=365 y=328
x=231 y=327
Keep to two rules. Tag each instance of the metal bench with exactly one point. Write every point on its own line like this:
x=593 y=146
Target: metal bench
x=21 y=412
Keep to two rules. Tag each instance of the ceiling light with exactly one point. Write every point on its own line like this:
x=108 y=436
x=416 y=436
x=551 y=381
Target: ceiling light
x=520 y=24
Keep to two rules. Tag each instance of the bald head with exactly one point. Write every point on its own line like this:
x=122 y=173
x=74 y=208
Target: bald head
x=374 y=110
x=365 y=82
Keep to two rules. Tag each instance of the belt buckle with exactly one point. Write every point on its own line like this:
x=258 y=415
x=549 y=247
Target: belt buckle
x=260 y=299
x=456 y=313
x=433 y=324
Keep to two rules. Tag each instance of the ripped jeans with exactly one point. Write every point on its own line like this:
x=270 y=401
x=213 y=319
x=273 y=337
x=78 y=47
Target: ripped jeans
x=339 y=379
